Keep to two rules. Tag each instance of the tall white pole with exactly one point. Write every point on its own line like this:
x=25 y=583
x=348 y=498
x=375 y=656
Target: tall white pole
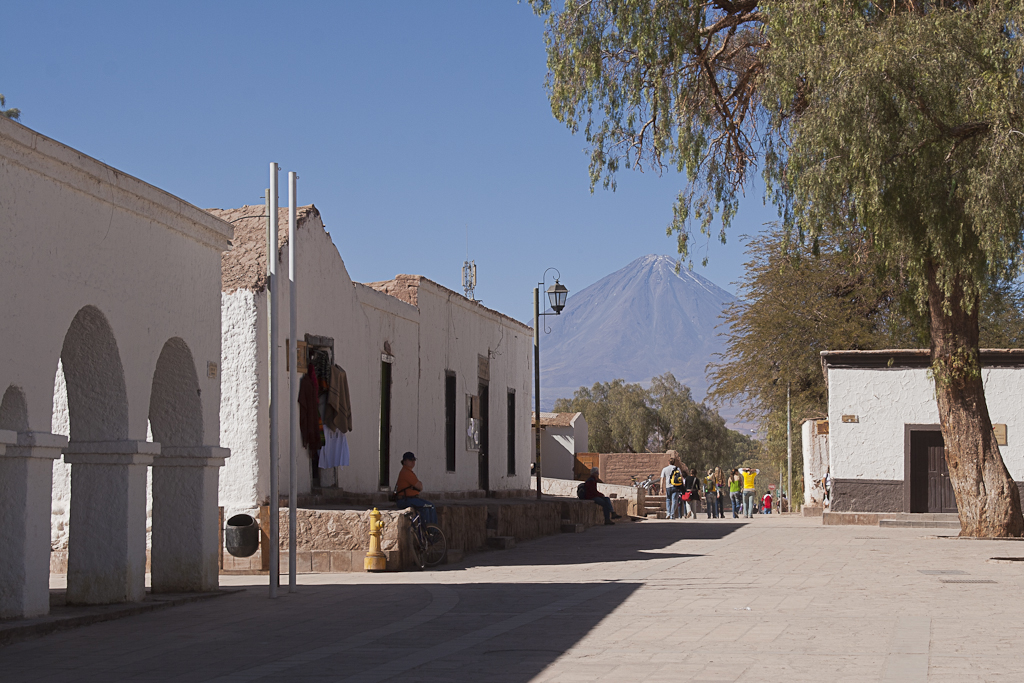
x=275 y=533
x=789 y=448
x=293 y=384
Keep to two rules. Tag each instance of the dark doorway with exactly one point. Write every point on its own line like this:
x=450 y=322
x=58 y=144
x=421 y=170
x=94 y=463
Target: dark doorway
x=385 y=424
x=930 y=488
x=485 y=439
x=510 y=426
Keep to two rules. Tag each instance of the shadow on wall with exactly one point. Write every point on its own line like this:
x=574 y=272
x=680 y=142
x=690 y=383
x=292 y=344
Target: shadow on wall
x=411 y=632
x=638 y=541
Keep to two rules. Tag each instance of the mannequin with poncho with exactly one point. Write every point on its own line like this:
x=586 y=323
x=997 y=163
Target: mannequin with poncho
x=325 y=414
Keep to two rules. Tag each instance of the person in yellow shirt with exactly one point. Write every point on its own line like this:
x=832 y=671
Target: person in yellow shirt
x=749 y=494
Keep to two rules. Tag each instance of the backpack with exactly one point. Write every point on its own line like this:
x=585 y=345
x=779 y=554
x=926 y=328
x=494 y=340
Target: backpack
x=676 y=478
x=581 y=490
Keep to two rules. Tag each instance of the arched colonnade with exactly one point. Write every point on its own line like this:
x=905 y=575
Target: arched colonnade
x=107 y=536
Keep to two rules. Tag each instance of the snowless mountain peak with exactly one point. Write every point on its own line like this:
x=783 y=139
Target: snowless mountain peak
x=638 y=322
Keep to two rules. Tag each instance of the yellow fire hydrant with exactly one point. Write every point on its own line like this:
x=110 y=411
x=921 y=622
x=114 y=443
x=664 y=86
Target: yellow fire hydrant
x=375 y=560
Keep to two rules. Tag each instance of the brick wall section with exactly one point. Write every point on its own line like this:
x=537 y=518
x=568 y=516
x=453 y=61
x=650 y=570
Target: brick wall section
x=617 y=468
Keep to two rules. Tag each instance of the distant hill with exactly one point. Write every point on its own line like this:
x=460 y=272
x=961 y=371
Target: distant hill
x=634 y=324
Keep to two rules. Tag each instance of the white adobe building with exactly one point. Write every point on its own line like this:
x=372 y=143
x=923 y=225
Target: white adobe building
x=885 y=450
x=562 y=436
x=111 y=285
x=424 y=365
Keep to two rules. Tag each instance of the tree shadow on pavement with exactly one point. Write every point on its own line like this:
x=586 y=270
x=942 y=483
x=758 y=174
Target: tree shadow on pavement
x=366 y=632
x=624 y=542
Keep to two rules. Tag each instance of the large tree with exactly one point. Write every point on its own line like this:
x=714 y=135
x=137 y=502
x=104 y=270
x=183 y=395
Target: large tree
x=901 y=120
x=904 y=122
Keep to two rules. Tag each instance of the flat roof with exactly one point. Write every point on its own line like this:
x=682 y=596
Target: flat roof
x=912 y=358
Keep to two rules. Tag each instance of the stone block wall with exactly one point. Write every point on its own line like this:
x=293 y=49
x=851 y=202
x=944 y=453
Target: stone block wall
x=618 y=468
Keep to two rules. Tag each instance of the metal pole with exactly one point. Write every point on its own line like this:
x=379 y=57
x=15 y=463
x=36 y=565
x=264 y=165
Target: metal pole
x=536 y=378
x=293 y=387
x=789 y=445
x=275 y=532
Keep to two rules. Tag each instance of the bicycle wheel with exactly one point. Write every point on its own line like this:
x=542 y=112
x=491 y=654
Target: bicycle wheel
x=418 y=543
x=436 y=546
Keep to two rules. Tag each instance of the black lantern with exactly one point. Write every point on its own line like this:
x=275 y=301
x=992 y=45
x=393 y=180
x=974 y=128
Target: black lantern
x=556 y=295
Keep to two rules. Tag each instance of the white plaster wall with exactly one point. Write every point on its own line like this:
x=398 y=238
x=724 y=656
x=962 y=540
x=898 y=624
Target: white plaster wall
x=886 y=399
x=453 y=332
x=77 y=232
x=815 y=452
x=442 y=333
x=239 y=403
x=60 y=505
x=390 y=320
x=581 y=432
x=559 y=444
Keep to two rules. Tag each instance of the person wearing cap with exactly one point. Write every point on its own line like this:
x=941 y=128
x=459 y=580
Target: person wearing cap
x=408 y=489
x=590 y=492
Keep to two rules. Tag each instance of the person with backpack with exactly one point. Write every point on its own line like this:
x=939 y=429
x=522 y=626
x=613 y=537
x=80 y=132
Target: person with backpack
x=711 y=494
x=767 y=503
x=735 y=495
x=590 y=492
x=672 y=485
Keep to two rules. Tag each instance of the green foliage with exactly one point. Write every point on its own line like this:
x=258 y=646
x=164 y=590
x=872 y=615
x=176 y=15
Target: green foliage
x=903 y=122
x=626 y=418
x=798 y=299
x=11 y=113
x=619 y=419
x=660 y=84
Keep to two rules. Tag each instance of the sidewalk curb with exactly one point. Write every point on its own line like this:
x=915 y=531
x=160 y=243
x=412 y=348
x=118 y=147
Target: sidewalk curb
x=24 y=629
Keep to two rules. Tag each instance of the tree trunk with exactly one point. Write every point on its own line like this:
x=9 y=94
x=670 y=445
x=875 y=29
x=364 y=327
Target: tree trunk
x=986 y=495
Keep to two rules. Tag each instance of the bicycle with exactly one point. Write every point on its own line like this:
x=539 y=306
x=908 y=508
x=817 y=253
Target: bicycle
x=648 y=484
x=429 y=546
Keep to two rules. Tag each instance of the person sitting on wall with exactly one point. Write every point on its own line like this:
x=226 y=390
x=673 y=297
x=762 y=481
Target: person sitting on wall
x=590 y=492
x=408 y=489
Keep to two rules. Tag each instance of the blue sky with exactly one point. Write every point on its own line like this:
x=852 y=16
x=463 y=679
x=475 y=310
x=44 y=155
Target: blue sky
x=408 y=122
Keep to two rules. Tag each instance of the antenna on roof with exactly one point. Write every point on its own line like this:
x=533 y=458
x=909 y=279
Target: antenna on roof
x=468 y=273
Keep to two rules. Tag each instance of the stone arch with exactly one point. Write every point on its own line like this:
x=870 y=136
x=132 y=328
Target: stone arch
x=175 y=402
x=97 y=398
x=14 y=410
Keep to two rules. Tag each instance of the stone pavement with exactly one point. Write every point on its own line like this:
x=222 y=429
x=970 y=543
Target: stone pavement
x=781 y=598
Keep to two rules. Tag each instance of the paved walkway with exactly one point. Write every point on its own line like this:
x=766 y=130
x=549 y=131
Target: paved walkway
x=779 y=599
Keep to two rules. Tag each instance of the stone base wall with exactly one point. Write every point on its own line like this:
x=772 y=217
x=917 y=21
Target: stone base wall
x=867 y=495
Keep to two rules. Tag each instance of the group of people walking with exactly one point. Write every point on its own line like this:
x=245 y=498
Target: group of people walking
x=684 y=490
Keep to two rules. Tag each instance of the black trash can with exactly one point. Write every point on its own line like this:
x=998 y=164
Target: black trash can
x=242 y=536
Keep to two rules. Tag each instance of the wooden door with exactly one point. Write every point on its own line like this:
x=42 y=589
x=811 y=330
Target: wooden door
x=940 y=489
x=484 y=473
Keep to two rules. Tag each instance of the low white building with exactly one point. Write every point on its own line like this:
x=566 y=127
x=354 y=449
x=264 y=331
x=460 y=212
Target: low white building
x=428 y=371
x=563 y=435
x=885 y=445
x=111 y=333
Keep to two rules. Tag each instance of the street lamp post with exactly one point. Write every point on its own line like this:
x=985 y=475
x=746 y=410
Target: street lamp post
x=557 y=294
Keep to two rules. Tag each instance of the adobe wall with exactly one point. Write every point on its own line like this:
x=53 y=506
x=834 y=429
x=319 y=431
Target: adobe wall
x=618 y=468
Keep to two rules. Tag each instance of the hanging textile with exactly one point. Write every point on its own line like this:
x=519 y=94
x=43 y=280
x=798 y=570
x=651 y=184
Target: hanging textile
x=309 y=415
x=335 y=450
x=339 y=405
